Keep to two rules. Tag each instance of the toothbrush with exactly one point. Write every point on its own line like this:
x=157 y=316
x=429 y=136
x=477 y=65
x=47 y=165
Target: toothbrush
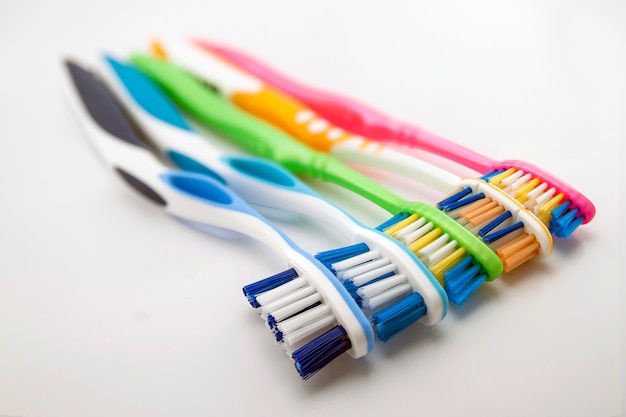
x=372 y=254
x=323 y=321
x=484 y=208
x=560 y=206
x=456 y=257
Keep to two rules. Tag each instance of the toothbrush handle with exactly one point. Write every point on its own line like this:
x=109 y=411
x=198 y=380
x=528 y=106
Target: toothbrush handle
x=192 y=197
x=364 y=120
x=200 y=200
x=257 y=180
x=258 y=137
x=416 y=137
x=301 y=123
x=354 y=116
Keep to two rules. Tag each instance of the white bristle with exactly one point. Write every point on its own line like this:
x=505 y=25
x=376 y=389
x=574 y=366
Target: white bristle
x=434 y=245
x=537 y=190
x=297 y=335
x=295 y=306
x=361 y=269
x=356 y=260
x=517 y=184
x=388 y=295
x=512 y=178
x=304 y=319
x=278 y=292
x=374 y=273
x=410 y=228
x=378 y=287
x=543 y=198
x=418 y=233
x=441 y=253
x=287 y=299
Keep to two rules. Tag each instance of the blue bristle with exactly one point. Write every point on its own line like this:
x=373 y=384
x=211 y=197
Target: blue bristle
x=315 y=355
x=492 y=237
x=456 y=283
x=352 y=289
x=571 y=227
x=560 y=209
x=329 y=257
x=271 y=321
x=398 y=316
x=461 y=203
x=460 y=267
x=464 y=294
x=278 y=335
x=494 y=223
x=395 y=219
x=463 y=279
x=564 y=220
x=564 y=226
x=455 y=197
x=488 y=176
x=259 y=287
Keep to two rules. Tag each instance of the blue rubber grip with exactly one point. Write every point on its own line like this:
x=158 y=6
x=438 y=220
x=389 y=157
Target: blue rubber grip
x=270 y=173
x=147 y=94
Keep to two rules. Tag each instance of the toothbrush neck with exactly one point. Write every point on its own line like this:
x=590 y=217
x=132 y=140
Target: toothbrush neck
x=415 y=136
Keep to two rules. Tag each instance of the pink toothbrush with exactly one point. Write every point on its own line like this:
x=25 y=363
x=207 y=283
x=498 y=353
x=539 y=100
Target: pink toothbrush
x=561 y=205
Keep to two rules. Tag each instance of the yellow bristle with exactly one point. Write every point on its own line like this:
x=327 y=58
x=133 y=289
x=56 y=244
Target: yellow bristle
x=522 y=191
x=552 y=203
x=545 y=218
x=446 y=263
x=498 y=178
x=425 y=240
x=401 y=225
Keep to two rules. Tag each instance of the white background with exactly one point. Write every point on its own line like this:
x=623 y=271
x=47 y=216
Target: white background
x=109 y=308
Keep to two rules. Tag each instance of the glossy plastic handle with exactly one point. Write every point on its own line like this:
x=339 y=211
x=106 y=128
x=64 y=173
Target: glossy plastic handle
x=352 y=115
x=296 y=119
x=360 y=119
x=258 y=137
x=261 y=182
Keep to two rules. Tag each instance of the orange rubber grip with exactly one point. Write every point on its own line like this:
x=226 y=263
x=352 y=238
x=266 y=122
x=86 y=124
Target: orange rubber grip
x=292 y=117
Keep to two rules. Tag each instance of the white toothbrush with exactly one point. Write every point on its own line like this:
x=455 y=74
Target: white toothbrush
x=266 y=184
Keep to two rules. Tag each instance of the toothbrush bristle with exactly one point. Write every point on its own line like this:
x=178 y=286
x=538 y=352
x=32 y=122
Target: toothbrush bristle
x=374 y=282
x=398 y=316
x=299 y=319
x=492 y=222
x=252 y=290
x=449 y=262
x=463 y=280
x=320 y=352
x=546 y=201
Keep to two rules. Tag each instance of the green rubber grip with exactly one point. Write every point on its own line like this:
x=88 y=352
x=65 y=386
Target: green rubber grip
x=258 y=137
x=264 y=140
